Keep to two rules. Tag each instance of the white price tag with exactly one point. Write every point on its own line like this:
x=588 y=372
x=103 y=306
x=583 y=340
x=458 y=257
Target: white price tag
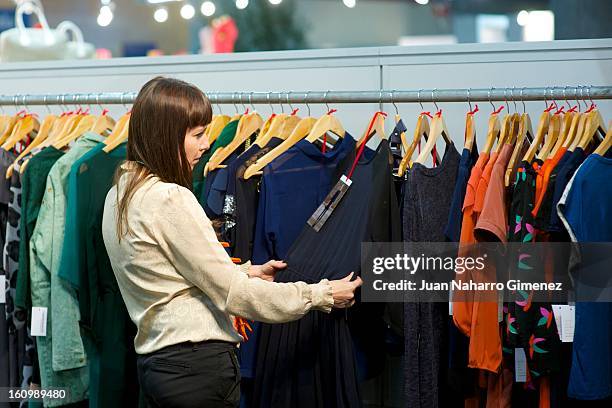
x=2 y=289
x=558 y=313
x=568 y=321
x=520 y=365
x=39 y=322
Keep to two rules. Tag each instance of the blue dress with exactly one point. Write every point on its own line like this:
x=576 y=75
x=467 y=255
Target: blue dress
x=312 y=362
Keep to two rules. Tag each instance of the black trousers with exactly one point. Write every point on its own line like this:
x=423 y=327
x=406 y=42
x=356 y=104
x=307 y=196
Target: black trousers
x=191 y=375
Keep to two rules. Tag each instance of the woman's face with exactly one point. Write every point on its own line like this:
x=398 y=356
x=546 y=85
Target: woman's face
x=195 y=145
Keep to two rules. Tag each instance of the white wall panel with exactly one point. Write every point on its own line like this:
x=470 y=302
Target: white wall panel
x=586 y=62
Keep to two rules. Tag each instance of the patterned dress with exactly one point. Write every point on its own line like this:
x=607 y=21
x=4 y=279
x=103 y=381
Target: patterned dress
x=529 y=325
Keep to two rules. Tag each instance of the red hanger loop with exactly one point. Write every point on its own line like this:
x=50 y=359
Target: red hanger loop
x=560 y=110
x=498 y=111
x=439 y=113
x=427 y=114
x=573 y=109
x=21 y=112
x=332 y=111
x=363 y=145
x=591 y=108
x=434 y=154
x=295 y=111
x=551 y=107
x=324 y=146
x=104 y=112
x=472 y=112
x=246 y=112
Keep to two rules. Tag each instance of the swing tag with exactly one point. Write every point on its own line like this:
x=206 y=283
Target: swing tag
x=327 y=207
x=2 y=289
x=39 y=322
x=520 y=365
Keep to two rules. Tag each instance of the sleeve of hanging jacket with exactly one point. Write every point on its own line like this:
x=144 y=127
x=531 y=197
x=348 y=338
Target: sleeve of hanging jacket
x=189 y=241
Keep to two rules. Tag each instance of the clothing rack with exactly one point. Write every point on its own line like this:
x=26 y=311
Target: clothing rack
x=514 y=94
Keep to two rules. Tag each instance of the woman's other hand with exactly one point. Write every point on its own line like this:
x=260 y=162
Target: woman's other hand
x=343 y=291
x=266 y=271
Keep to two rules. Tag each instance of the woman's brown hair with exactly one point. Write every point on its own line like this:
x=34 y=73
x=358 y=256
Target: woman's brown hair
x=164 y=110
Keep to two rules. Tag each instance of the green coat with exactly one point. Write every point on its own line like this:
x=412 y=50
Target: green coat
x=61 y=353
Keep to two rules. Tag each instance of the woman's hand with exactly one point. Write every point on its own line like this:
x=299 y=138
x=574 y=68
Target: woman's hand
x=343 y=291
x=267 y=270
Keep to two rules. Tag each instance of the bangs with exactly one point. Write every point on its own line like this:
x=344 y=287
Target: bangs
x=199 y=110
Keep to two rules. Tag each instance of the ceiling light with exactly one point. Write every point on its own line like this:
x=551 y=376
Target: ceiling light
x=208 y=8
x=522 y=18
x=350 y=3
x=242 y=4
x=187 y=11
x=161 y=15
x=275 y=2
x=106 y=10
x=105 y=18
x=423 y=2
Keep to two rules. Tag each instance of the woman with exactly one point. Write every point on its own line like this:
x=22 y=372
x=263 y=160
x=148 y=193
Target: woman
x=179 y=285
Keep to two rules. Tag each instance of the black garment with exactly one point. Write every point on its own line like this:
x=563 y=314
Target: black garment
x=311 y=362
x=542 y=220
x=190 y=375
x=564 y=175
x=242 y=200
x=460 y=377
x=427 y=202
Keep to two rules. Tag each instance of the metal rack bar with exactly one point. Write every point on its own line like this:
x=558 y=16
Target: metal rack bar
x=383 y=96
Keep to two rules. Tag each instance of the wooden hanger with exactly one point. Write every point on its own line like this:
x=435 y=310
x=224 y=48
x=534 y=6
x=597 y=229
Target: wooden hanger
x=577 y=122
x=505 y=132
x=7 y=123
x=43 y=133
x=525 y=130
x=103 y=125
x=594 y=124
x=216 y=126
x=539 y=136
x=248 y=125
x=289 y=126
x=120 y=133
x=554 y=129
x=421 y=130
x=85 y=124
x=493 y=131
x=566 y=124
x=606 y=143
x=326 y=123
x=274 y=129
x=300 y=132
x=515 y=123
x=28 y=124
x=438 y=128
x=470 y=131
x=377 y=128
x=65 y=124
x=10 y=125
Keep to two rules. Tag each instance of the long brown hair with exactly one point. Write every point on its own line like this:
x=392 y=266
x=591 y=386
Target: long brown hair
x=164 y=110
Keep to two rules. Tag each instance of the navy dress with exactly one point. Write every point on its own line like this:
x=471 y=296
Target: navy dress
x=311 y=362
x=292 y=187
